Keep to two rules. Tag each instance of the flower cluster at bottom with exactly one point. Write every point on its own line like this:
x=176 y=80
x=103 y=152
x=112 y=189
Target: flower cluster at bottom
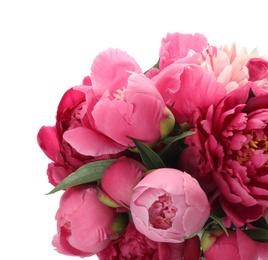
x=152 y=162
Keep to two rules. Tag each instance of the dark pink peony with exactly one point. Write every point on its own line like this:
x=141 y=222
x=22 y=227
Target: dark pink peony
x=85 y=225
x=230 y=150
x=237 y=246
x=71 y=114
x=134 y=245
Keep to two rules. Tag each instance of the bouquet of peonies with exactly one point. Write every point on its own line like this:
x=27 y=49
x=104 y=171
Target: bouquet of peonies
x=167 y=164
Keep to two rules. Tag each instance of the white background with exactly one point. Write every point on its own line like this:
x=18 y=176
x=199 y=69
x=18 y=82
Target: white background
x=46 y=47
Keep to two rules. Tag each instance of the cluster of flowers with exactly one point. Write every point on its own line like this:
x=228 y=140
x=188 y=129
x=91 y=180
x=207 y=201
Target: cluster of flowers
x=152 y=162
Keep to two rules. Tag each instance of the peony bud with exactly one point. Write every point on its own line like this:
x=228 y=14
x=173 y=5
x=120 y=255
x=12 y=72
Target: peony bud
x=169 y=205
x=217 y=245
x=120 y=178
x=118 y=225
x=85 y=225
x=257 y=69
x=167 y=123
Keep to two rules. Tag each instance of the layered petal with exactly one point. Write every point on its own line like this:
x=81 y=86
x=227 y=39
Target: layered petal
x=110 y=71
x=89 y=142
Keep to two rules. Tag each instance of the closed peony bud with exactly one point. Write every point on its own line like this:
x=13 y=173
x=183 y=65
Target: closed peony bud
x=120 y=178
x=169 y=205
x=217 y=245
x=167 y=123
x=85 y=225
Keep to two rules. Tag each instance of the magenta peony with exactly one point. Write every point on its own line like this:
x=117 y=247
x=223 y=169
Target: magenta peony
x=236 y=246
x=168 y=205
x=85 y=225
x=231 y=154
x=134 y=245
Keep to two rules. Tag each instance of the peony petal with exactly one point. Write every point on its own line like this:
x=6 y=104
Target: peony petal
x=109 y=71
x=177 y=45
x=89 y=142
x=48 y=141
x=205 y=91
x=138 y=117
x=240 y=214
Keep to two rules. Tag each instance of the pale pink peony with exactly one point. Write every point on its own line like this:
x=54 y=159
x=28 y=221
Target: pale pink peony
x=236 y=246
x=228 y=65
x=169 y=205
x=120 y=178
x=122 y=102
x=134 y=245
x=84 y=223
x=231 y=154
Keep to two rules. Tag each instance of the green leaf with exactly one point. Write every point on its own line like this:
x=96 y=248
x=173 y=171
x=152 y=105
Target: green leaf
x=258 y=234
x=219 y=221
x=87 y=173
x=149 y=157
x=171 y=139
x=155 y=66
x=260 y=223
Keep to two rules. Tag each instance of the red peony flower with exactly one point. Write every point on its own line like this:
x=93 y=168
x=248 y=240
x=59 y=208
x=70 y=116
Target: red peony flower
x=134 y=245
x=231 y=154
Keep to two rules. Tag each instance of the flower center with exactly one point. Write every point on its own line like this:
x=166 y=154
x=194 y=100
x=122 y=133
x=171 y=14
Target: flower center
x=162 y=212
x=255 y=144
x=120 y=94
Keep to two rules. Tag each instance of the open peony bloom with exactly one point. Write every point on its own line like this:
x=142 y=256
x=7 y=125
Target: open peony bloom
x=180 y=80
x=85 y=225
x=228 y=65
x=120 y=178
x=231 y=154
x=177 y=46
x=168 y=205
x=71 y=114
x=121 y=103
x=134 y=245
x=237 y=246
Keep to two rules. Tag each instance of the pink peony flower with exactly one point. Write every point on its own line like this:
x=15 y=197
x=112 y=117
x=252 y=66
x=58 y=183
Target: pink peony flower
x=216 y=244
x=258 y=72
x=169 y=205
x=71 y=114
x=177 y=45
x=177 y=82
x=231 y=151
x=120 y=178
x=134 y=245
x=84 y=223
x=122 y=102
